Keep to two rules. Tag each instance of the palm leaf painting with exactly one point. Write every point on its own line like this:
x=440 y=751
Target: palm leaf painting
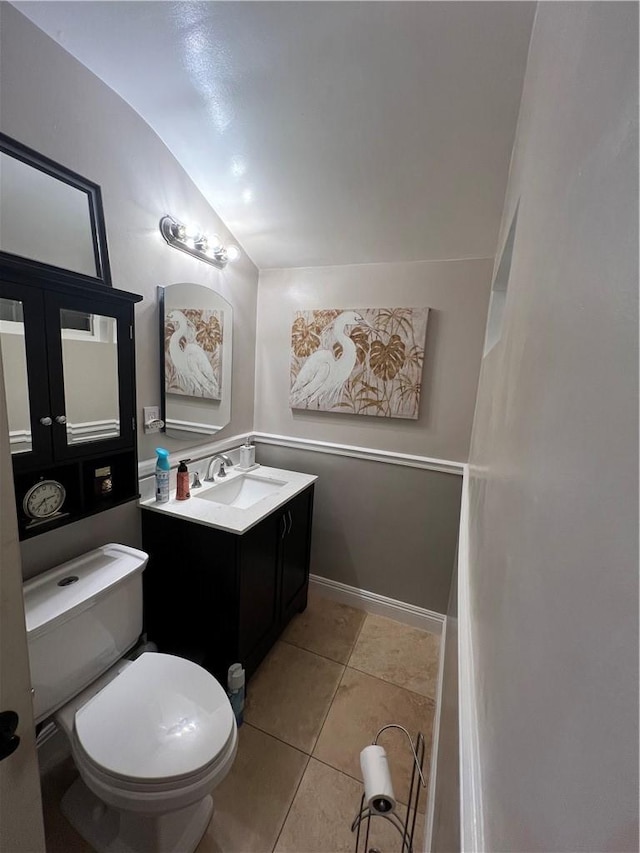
x=193 y=352
x=361 y=361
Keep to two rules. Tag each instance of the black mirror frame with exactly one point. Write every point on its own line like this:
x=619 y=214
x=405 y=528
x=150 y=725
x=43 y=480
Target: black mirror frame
x=98 y=231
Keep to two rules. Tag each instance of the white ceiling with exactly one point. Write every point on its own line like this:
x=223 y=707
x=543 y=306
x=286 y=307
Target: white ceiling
x=322 y=132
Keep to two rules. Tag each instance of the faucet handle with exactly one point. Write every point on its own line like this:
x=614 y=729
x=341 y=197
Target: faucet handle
x=196 y=481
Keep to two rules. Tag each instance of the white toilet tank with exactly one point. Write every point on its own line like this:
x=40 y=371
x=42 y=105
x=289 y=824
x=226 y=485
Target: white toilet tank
x=82 y=616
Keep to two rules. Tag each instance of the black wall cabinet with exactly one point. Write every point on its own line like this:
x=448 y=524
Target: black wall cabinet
x=69 y=370
x=218 y=598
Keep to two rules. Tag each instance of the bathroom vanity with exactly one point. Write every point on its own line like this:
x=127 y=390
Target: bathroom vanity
x=223 y=581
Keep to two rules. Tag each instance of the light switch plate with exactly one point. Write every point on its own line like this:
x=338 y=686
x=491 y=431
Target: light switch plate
x=151 y=413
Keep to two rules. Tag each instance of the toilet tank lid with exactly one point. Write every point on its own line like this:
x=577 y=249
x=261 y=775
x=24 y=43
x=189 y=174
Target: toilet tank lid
x=60 y=593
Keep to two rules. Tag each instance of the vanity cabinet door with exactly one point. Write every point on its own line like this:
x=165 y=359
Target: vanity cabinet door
x=295 y=547
x=259 y=591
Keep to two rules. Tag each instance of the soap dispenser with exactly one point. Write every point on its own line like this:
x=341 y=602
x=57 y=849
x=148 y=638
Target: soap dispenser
x=247 y=455
x=182 y=482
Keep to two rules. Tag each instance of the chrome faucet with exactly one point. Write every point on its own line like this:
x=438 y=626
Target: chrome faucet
x=223 y=459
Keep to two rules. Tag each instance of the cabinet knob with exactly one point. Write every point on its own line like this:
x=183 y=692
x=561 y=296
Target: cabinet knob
x=61 y=419
x=46 y=421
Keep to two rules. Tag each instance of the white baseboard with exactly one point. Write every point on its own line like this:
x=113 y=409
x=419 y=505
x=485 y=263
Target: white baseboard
x=380 y=605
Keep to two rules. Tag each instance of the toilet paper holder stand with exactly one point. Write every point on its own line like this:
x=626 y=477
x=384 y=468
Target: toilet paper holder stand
x=406 y=829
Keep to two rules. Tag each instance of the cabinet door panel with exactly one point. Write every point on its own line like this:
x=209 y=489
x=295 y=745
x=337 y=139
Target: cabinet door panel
x=89 y=343
x=24 y=358
x=295 y=551
x=258 y=586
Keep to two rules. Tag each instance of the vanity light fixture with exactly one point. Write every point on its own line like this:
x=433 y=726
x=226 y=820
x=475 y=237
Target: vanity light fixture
x=191 y=240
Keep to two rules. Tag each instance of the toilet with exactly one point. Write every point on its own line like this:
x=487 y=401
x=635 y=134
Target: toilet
x=150 y=737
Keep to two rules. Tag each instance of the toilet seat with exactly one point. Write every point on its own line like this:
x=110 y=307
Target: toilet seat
x=133 y=795
x=161 y=720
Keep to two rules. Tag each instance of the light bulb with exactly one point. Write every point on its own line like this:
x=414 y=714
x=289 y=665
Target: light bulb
x=179 y=231
x=233 y=253
x=191 y=232
x=215 y=243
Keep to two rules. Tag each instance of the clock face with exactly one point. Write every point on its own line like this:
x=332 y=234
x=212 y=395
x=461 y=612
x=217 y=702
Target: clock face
x=44 y=499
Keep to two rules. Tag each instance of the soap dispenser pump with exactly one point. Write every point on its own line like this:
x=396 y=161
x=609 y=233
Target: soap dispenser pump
x=182 y=481
x=247 y=455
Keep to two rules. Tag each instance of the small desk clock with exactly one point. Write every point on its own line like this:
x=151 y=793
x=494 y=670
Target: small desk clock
x=44 y=500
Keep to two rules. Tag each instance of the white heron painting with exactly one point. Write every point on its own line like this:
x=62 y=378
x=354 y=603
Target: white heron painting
x=193 y=352
x=365 y=361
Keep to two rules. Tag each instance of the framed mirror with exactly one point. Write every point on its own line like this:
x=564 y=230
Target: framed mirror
x=196 y=344
x=52 y=218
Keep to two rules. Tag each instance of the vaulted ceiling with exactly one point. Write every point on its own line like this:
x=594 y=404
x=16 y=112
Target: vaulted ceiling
x=322 y=132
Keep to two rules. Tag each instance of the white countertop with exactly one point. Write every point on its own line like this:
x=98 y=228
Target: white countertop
x=228 y=518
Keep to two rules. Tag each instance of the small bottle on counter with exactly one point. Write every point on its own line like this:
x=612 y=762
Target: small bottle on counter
x=182 y=483
x=235 y=690
x=163 y=471
x=247 y=455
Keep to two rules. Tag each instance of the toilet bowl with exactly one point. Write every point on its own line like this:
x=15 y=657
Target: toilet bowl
x=151 y=738
x=150 y=745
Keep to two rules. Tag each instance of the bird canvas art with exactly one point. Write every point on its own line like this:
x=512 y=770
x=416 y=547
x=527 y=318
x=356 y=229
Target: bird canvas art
x=365 y=361
x=193 y=352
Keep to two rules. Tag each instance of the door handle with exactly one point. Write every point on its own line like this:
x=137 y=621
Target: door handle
x=290 y=521
x=284 y=525
x=61 y=419
x=46 y=421
x=9 y=740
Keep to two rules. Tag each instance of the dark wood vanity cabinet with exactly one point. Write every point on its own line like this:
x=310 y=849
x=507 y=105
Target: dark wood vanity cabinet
x=218 y=598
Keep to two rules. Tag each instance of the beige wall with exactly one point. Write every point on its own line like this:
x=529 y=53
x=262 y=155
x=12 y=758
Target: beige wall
x=554 y=458
x=457 y=293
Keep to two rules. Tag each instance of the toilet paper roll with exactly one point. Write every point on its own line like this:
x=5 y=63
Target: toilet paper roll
x=378 y=790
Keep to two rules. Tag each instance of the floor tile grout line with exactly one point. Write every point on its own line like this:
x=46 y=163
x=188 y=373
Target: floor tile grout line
x=355 y=642
x=388 y=681
x=391 y=683
x=348 y=665
x=295 y=794
x=333 y=699
x=275 y=737
x=313 y=652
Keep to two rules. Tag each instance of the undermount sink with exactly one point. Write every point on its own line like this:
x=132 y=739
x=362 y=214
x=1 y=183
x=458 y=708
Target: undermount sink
x=241 y=492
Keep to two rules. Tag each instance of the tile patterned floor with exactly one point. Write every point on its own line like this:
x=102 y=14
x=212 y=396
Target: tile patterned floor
x=336 y=676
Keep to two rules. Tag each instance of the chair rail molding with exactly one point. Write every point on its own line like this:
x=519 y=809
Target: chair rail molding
x=447 y=466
